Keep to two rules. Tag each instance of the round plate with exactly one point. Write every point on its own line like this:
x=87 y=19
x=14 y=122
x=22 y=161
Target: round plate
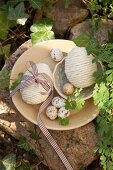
x=41 y=53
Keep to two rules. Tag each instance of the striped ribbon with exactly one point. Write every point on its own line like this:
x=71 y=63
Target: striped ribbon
x=46 y=82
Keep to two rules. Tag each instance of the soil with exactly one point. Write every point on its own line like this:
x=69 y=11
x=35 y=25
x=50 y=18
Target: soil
x=8 y=144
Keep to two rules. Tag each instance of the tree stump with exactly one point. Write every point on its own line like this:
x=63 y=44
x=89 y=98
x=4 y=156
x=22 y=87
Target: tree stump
x=78 y=145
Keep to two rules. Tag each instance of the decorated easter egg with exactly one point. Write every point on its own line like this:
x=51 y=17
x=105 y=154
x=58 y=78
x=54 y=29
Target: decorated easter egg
x=58 y=102
x=63 y=113
x=36 y=93
x=51 y=112
x=56 y=54
x=79 y=67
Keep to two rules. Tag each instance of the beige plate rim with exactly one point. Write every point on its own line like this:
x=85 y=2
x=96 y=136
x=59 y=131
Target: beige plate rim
x=50 y=126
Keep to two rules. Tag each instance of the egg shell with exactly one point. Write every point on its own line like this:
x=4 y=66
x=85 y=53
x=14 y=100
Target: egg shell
x=56 y=54
x=68 y=89
x=58 y=102
x=51 y=112
x=79 y=67
x=63 y=113
x=32 y=94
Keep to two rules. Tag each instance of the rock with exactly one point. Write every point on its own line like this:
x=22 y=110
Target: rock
x=66 y=17
x=101 y=34
x=78 y=145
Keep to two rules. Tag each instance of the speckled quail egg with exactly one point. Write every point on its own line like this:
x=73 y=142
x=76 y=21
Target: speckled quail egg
x=68 y=89
x=56 y=54
x=58 y=102
x=63 y=113
x=51 y=112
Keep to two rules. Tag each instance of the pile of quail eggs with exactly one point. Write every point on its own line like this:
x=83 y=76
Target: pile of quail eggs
x=57 y=109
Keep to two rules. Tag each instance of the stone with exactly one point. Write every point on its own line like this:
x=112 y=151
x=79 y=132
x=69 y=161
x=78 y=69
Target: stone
x=66 y=17
x=101 y=34
x=78 y=145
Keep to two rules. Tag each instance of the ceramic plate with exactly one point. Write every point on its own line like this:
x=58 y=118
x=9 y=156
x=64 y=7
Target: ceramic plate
x=41 y=53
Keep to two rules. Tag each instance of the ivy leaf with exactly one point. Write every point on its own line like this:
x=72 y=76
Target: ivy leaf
x=4 y=79
x=3 y=25
x=34 y=135
x=2 y=167
x=79 y=103
x=6 y=50
x=45 y=24
x=9 y=161
x=36 y=4
x=82 y=40
x=21 y=21
x=17 y=13
x=63 y=121
x=23 y=144
x=24 y=166
x=17 y=81
x=41 y=36
x=74 y=102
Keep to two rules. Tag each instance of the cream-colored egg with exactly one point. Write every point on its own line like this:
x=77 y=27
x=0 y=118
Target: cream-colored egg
x=56 y=54
x=33 y=93
x=58 y=102
x=63 y=113
x=68 y=89
x=79 y=67
x=51 y=112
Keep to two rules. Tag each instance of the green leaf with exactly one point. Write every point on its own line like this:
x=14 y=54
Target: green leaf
x=41 y=36
x=6 y=50
x=17 y=81
x=21 y=21
x=82 y=40
x=24 y=166
x=75 y=102
x=18 y=13
x=4 y=79
x=63 y=121
x=9 y=161
x=23 y=144
x=34 y=135
x=2 y=167
x=79 y=103
x=45 y=24
x=3 y=25
x=36 y=4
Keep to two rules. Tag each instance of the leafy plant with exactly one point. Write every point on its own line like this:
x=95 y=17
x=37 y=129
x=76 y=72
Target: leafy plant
x=24 y=166
x=4 y=79
x=34 y=135
x=18 y=14
x=75 y=102
x=41 y=31
x=9 y=162
x=103 y=97
x=63 y=121
x=99 y=9
x=17 y=81
x=24 y=145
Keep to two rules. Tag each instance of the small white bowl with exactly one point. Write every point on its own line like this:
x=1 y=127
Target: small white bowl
x=59 y=78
